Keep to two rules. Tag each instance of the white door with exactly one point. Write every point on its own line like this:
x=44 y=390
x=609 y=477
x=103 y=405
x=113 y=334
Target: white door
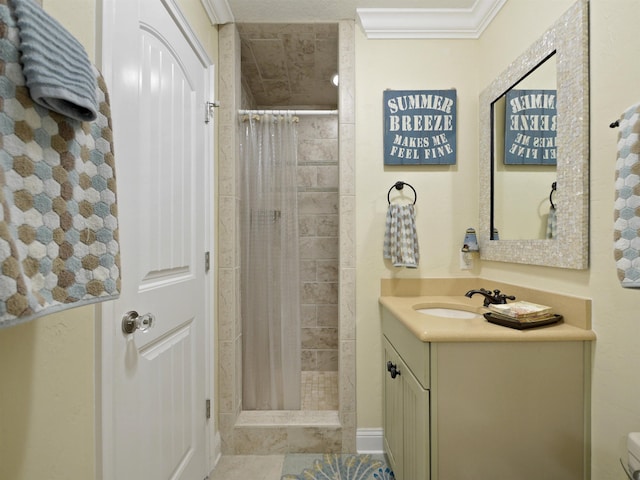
x=153 y=386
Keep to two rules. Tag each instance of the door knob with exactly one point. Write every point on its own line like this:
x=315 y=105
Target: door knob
x=393 y=370
x=131 y=322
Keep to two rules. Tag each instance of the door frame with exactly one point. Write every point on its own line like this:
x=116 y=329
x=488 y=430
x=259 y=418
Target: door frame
x=105 y=312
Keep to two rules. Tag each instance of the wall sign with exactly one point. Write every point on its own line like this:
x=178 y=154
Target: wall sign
x=530 y=127
x=419 y=127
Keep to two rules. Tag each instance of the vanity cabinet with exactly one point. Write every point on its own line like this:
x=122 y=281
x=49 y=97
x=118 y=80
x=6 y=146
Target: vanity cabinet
x=485 y=410
x=406 y=412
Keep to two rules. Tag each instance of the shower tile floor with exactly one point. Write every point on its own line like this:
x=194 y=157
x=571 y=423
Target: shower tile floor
x=319 y=390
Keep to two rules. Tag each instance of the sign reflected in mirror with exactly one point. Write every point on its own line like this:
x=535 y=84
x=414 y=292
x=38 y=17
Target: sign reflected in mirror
x=516 y=200
x=530 y=127
x=524 y=130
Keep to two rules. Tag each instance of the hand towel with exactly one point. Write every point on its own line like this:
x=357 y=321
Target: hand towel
x=59 y=243
x=55 y=65
x=401 y=237
x=627 y=202
x=552 y=224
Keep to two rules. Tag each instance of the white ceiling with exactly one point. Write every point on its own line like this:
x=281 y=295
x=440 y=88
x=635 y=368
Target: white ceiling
x=378 y=18
x=311 y=11
x=288 y=56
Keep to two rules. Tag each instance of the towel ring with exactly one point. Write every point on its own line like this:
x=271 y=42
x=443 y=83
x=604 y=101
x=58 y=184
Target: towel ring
x=553 y=189
x=400 y=186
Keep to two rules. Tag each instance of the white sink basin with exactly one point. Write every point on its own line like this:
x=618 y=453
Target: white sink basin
x=447 y=312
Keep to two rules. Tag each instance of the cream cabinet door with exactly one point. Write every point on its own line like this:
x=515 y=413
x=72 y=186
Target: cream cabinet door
x=393 y=409
x=406 y=419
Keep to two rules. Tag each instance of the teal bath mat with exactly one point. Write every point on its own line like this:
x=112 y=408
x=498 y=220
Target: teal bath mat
x=336 y=467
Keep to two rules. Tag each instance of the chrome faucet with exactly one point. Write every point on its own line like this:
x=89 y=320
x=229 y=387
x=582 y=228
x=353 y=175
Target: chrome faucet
x=490 y=297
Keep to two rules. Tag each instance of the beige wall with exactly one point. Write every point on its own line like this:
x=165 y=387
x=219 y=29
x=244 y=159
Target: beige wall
x=447 y=197
x=47 y=397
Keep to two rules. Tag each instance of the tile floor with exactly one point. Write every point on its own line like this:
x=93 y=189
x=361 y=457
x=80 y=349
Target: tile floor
x=248 y=467
x=266 y=467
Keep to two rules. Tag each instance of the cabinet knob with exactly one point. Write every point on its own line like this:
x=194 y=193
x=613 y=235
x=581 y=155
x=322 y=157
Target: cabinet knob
x=392 y=369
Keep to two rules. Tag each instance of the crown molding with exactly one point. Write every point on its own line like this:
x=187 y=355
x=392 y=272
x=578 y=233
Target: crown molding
x=428 y=22
x=218 y=11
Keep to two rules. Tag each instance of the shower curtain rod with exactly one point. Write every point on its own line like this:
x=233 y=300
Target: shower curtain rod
x=292 y=112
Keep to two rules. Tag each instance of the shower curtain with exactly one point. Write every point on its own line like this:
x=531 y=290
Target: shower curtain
x=270 y=286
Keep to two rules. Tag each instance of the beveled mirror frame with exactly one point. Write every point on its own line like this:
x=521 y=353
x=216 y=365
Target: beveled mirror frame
x=569 y=39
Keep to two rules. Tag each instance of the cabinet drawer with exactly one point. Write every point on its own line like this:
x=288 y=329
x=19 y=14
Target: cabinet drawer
x=414 y=352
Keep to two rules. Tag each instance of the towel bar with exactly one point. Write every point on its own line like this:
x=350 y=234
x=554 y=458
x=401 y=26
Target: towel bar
x=554 y=187
x=399 y=186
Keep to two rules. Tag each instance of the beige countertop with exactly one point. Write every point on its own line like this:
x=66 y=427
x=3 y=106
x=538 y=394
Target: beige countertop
x=429 y=328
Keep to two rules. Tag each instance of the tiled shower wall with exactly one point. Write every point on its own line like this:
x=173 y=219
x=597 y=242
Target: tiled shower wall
x=319 y=251
x=281 y=432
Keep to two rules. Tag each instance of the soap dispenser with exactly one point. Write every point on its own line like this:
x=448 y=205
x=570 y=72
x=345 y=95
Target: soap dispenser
x=469 y=246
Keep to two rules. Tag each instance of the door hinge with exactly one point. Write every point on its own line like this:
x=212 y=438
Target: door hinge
x=208 y=110
x=208 y=408
x=207 y=262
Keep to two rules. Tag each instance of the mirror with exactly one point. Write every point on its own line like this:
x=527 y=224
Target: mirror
x=515 y=199
x=524 y=130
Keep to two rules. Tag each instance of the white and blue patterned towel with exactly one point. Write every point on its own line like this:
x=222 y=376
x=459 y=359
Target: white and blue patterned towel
x=59 y=237
x=55 y=65
x=400 y=237
x=627 y=203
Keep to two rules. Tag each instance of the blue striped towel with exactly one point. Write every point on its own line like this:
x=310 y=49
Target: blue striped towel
x=56 y=67
x=401 y=237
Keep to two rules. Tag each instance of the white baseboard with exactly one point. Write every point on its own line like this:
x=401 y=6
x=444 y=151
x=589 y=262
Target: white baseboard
x=216 y=450
x=369 y=440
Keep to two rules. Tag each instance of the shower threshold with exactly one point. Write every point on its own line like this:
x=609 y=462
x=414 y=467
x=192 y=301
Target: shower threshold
x=276 y=432
x=272 y=418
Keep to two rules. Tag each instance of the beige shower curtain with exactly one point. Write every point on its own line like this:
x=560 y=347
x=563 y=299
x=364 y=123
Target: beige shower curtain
x=270 y=286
